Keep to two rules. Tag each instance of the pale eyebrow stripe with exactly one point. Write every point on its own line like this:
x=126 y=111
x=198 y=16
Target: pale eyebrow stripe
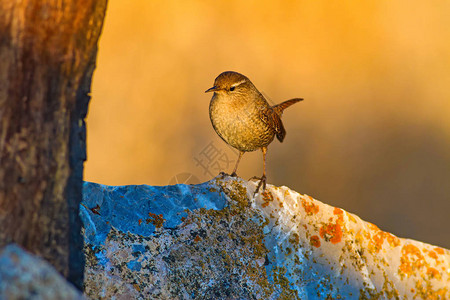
x=240 y=82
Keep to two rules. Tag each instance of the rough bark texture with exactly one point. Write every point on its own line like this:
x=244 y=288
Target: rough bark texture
x=47 y=56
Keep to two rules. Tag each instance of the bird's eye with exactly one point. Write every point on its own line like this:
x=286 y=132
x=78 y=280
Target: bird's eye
x=232 y=88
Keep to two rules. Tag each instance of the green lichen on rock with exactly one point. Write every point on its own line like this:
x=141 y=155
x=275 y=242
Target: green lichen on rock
x=218 y=240
x=212 y=254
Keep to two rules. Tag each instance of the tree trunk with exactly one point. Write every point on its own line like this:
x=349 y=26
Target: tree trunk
x=47 y=56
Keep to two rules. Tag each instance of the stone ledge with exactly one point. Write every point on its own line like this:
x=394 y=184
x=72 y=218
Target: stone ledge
x=25 y=276
x=215 y=240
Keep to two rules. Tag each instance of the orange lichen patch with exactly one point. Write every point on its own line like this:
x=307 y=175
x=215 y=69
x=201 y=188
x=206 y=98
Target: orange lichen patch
x=155 y=219
x=439 y=250
x=310 y=208
x=432 y=254
x=340 y=215
x=424 y=290
x=315 y=241
x=359 y=238
x=351 y=217
x=265 y=204
x=331 y=232
x=392 y=239
x=267 y=197
x=140 y=221
x=376 y=243
x=363 y=235
x=411 y=260
x=197 y=239
x=372 y=226
x=377 y=240
x=433 y=273
x=338 y=211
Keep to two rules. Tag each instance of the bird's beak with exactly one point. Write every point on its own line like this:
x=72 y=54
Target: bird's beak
x=213 y=89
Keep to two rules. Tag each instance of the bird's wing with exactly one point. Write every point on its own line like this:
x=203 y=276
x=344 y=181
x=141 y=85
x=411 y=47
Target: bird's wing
x=271 y=118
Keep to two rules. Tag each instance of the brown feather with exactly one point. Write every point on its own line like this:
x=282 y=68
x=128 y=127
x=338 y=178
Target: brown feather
x=272 y=118
x=283 y=105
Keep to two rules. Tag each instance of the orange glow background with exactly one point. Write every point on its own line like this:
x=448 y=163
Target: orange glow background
x=372 y=135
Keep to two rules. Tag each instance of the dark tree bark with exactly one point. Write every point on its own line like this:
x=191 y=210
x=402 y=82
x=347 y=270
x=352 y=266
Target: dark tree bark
x=47 y=56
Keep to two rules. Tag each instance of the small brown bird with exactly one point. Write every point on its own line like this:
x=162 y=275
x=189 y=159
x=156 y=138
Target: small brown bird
x=242 y=117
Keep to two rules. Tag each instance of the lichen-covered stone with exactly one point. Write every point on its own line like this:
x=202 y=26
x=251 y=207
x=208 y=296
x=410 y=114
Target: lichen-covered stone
x=25 y=276
x=217 y=241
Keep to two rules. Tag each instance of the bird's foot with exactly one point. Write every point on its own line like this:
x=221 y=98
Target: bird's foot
x=223 y=174
x=262 y=182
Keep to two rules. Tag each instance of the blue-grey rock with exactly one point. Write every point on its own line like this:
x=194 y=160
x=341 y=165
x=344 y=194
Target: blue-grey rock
x=25 y=276
x=217 y=240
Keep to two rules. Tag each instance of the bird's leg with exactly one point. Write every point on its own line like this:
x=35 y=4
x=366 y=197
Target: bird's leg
x=237 y=163
x=263 y=177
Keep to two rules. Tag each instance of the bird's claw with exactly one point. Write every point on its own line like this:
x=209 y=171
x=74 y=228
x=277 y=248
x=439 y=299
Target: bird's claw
x=223 y=174
x=262 y=181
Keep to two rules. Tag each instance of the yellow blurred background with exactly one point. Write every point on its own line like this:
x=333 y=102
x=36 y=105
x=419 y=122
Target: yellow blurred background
x=372 y=135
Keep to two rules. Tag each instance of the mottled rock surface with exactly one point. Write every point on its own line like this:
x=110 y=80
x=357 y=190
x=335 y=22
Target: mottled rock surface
x=216 y=241
x=24 y=276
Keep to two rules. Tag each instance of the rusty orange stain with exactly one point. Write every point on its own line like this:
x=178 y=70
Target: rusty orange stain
x=197 y=239
x=350 y=217
x=155 y=219
x=377 y=240
x=433 y=273
x=439 y=250
x=411 y=260
x=331 y=232
x=372 y=226
x=392 y=239
x=338 y=211
x=340 y=215
x=140 y=221
x=432 y=254
x=267 y=197
x=359 y=237
x=315 y=241
x=310 y=208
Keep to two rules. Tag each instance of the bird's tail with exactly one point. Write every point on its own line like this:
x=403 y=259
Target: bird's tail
x=283 y=105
